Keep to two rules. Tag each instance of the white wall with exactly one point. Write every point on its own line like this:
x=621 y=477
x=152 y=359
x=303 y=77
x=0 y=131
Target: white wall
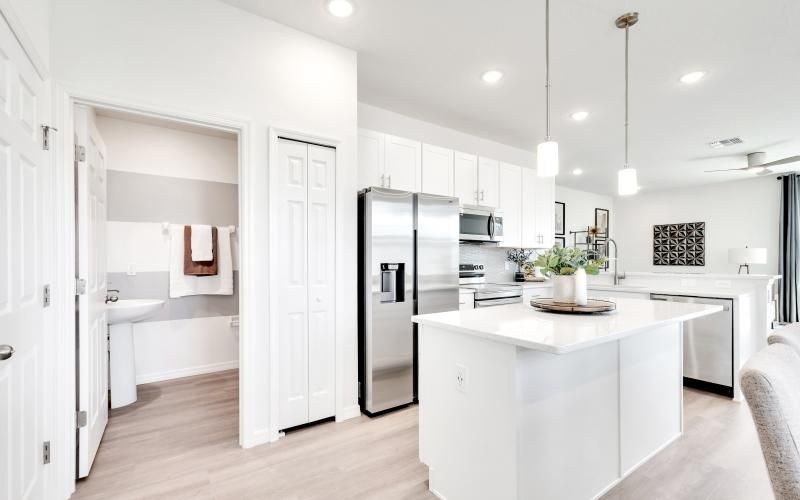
x=205 y=57
x=736 y=214
x=579 y=210
x=34 y=17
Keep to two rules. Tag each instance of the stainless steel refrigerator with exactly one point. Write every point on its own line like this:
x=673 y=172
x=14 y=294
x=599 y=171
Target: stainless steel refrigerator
x=408 y=264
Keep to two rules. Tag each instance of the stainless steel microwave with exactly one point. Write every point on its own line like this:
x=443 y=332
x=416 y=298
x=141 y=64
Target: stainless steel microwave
x=481 y=224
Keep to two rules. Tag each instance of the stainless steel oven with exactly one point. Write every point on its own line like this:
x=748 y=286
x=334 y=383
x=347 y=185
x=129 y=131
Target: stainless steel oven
x=481 y=224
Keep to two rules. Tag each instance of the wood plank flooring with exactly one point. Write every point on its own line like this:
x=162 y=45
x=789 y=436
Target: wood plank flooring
x=179 y=442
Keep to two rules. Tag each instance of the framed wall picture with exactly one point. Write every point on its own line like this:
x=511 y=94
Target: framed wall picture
x=560 y=242
x=601 y=221
x=561 y=209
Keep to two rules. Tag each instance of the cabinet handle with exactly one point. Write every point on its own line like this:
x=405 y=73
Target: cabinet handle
x=390 y=181
x=383 y=180
x=477 y=198
x=482 y=197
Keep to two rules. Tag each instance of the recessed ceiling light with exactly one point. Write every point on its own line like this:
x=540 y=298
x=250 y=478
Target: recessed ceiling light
x=492 y=76
x=579 y=116
x=577 y=171
x=340 y=8
x=693 y=77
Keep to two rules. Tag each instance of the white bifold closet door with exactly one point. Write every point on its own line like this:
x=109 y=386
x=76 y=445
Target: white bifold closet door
x=305 y=268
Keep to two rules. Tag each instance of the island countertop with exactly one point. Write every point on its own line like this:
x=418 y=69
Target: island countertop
x=559 y=333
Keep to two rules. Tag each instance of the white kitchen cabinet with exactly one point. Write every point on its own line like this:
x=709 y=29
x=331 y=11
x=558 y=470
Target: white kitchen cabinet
x=437 y=170
x=538 y=198
x=540 y=291
x=465 y=178
x=488 y=180
x=510 y=201
x=402 y=163
x=305 y=202
x=466 y=300
x=371 y=158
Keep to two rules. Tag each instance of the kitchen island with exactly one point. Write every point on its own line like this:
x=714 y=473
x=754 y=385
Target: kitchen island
x=517 y=403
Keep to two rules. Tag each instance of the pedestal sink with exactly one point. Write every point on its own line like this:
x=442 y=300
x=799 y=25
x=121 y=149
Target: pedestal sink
x=121 y=315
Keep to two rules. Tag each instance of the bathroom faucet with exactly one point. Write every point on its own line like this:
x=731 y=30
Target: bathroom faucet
x=617 y=275
x=111 y=296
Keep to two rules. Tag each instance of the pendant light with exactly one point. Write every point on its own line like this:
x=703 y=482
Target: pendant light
x=627 y=183
x=547 y=151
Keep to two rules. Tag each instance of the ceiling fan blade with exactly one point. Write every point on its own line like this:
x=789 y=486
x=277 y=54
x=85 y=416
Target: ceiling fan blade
x=727 y=169
x=782 y=161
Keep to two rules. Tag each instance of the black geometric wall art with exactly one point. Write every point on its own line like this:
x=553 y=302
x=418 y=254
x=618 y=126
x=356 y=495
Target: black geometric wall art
x=679 y=244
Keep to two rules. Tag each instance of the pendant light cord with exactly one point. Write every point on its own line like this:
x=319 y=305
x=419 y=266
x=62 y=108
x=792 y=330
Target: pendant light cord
x=547 y=64
x=627 y=28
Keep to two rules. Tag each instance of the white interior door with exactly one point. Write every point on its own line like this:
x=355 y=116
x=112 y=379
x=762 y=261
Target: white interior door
x=292 y=191
x=321 y=282
x=23 y=180
x=92 y=327
x=465 y=178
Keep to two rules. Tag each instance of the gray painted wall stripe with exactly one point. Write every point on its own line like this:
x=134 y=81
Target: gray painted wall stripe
x=155 y=285
x=134 y=197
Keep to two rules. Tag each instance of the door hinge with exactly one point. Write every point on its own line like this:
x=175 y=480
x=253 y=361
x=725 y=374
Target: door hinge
x=46 y=452
x=81 y=418
x=80 y=153
x=46 y=296
x=80 y=286
x=46 y=136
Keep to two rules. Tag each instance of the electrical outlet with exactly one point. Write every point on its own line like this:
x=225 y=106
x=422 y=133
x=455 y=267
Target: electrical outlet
x=508 y=266
x=461 y=378
x=131 y=269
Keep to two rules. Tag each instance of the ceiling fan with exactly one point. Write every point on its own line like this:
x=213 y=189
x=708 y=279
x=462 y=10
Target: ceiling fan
x=755 y=161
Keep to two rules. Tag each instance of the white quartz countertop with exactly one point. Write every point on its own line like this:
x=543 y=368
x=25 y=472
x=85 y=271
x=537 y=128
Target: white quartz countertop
x=558 y=333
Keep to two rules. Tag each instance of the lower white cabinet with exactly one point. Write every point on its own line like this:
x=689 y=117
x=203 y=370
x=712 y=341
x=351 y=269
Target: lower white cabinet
x=466 y=300
x=305 y=206
x=538 y=291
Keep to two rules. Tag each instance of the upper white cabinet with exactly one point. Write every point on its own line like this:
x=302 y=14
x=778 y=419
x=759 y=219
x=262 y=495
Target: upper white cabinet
x=371 y=158
x=488 y=172
x=388 y=161
x=510 y=201
x=538 y=198
x=437 y=170
x=403 y=164
x=465 y=180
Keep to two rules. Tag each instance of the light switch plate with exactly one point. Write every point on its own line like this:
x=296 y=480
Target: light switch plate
x=461 y=378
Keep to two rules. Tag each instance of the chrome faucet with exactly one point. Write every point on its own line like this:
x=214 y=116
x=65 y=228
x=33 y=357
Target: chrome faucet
x=112 y=296
x=617 y=275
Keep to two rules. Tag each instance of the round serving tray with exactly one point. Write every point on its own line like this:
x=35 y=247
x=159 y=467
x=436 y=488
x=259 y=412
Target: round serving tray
x=593 y=306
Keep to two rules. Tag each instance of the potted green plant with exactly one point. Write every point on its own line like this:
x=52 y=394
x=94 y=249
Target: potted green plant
x=567 y=269
x=519 y=256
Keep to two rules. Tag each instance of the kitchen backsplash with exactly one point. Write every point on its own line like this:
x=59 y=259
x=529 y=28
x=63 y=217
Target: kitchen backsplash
x=492 y=257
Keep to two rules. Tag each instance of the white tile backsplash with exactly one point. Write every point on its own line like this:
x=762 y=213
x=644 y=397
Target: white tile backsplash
x=492 y=257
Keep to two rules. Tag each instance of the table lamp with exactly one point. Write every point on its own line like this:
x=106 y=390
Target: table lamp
x=746 y=256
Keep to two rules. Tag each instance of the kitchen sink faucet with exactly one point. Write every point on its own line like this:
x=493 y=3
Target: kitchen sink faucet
x=615 y=260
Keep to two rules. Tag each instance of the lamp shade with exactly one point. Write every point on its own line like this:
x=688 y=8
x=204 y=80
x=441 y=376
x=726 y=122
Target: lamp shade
x=747 y=255
x=627 y=183
x=547 y=159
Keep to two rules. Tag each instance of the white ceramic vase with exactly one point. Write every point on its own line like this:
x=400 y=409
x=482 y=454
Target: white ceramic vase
x=581 y=291
x=564 y=289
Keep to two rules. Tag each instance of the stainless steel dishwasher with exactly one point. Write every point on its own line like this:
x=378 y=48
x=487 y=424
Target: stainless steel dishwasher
x=707 y=345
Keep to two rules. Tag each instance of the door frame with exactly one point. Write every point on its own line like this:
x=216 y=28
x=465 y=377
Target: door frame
x=64 y=100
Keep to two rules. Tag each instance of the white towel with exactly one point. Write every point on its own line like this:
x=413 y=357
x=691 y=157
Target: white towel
x=181 y=285
x=201 y=244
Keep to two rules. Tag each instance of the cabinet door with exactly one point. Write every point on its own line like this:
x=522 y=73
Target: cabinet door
x=545 y=198
x=529 y=235
x=466 y=301
x=371 y=158
x=465 y=178
x=403 y=162
x=488 y=180
x=292 y=277
x=321 y=285
x=437 y=170
x=510 y=201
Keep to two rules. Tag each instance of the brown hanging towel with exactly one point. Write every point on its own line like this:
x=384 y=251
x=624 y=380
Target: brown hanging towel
x=192 y=268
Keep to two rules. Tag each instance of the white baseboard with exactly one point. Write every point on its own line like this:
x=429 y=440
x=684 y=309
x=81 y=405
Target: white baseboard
x=147 y=378
x=348 y=412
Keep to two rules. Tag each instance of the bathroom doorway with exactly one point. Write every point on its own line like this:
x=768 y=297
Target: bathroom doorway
x=157 y=340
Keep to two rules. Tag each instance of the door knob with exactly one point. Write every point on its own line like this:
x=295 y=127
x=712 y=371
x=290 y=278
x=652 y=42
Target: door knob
x=6 y=351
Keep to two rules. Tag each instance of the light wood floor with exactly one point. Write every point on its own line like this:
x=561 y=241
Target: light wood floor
x=179 y=441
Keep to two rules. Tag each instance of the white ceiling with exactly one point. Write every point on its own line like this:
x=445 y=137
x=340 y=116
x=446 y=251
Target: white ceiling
x=424 y=58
